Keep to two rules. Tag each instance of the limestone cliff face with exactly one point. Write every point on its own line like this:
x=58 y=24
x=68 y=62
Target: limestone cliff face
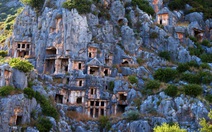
x=79 y=57
x=15 y=110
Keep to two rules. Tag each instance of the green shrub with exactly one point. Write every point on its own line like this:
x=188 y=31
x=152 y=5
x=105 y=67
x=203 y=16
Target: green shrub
x=6 y=90
x=37 y=4
x=194 y=39
x=165 y=75
x=44 y=125
x=104 y=122
x=152 y=84
x=140 y=61
x=144 y=5
x=205 y=66
x=82 y=6
x=111 y=85
x=168 y=128
x=22 y=65
x=171 y=90
x=132 y=115
x=165 y=55
x=206 y=58
x=3 y=53
x=193 y=90
x=132 y=79
x=206 y=77
x=29 y=92
x=153 y=35
x=208 y=97
x=191 y=78
x=195 y=51
x=206 y=43
x=47 y=108
x=206 y=126
x=137 y=102
x=182 y=67
x=193 y=64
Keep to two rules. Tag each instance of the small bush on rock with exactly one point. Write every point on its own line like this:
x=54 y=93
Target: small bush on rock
x=104 y=122
x=182 y=67
x=205 y=66
x=206 y=125
x=152 y=84
x=3 y=53
x=208 y=97
x=29 y=92
x=132 y=115
x=193 y=90
x=132 y=79
x=44 y=125
x=144 y=5
x=206 y=58
x=191 y=78
x=165 y=55
x=165 y=75
x=171 y=91
x=22 y=65
x=6 y=90
x=168 y=128
x=153 y=35
x=82 y=6
x=206 y=43
x=111 y=85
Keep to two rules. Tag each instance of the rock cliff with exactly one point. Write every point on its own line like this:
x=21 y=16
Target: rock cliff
x=99 y=64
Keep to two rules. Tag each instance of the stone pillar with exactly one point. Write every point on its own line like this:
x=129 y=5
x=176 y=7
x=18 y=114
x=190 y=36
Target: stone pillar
x=58 y=66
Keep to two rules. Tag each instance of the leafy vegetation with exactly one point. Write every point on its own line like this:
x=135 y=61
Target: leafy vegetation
x=20 y=64
x=165 y=55
x=206 y=125
x=193 y=90
x=132 y=79
x=204 y=6
x=44 y=125
x=6 y=90
x=47 y=108
x=197 y=78
x=37 y=4
x=152 y=84
x=3 y=53
x=82 y=6
x=168 y=128
x=7 y=26
x=139 y=60
x=132 y=115
x=144 y=5
x=171 y=90
x=153 y=35
x=165 y=75
x=111 y=85
x=29 y=92
x=206 y=43
x=104 y=122
x=6 y=10
x=206 y=57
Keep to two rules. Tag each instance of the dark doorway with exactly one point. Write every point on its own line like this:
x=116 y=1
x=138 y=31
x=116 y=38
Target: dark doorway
x=91 y=112
x=97 y=113
x=79 y=100
x=19 y=120
x=102 y=112
x=79 y=66
x=121 y=108
x=122 y=97
x=106 y=72
x=59 y=98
